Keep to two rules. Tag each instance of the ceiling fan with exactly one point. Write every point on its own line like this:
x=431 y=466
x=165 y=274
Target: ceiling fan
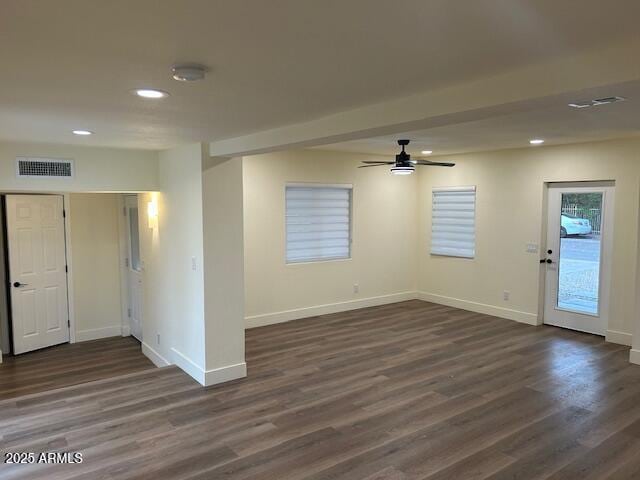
x=403 y=164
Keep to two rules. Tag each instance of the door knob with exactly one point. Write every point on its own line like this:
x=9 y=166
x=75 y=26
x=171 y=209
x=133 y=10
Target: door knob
x=18 y=284
x=548 y=260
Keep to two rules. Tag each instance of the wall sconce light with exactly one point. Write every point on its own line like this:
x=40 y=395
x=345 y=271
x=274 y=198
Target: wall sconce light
x=152 y=213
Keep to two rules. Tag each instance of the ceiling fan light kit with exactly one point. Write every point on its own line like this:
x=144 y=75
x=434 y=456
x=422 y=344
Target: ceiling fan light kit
x=403 y=164
x=403 y=170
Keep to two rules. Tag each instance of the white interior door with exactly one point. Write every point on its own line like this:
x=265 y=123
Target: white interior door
x=578 y=256
x=37 y=266
x=134 y=266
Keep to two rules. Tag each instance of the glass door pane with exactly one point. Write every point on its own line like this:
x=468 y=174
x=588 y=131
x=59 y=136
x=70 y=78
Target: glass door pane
x=579 y=262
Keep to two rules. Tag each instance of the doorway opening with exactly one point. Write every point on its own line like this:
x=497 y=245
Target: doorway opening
x=62 y=261
x=578 y=256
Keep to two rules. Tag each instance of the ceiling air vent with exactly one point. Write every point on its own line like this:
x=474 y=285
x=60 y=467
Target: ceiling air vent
x=33 y=167
x=606 y=100
x=596 y=102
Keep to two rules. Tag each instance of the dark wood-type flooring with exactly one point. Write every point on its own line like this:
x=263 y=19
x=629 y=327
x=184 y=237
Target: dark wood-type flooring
x=405 y=391
x=67 y=365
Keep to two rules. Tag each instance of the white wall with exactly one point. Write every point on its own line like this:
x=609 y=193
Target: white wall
x=96 y=169
x=510 y=214
x=96 y=275
x=173 y=311
x=384 y=247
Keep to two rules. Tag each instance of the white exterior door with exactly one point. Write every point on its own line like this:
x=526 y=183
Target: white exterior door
x=578 y=256
x=37 y=266
x=134 y=266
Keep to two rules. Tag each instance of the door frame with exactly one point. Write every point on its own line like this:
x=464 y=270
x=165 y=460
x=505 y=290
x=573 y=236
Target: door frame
x=606 y=248
x=66 y=205
x=66 y=202
x=123 y=229
x=123 y=248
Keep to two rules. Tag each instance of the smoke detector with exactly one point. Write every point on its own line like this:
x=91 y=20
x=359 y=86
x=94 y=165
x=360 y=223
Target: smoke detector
x=188 y=72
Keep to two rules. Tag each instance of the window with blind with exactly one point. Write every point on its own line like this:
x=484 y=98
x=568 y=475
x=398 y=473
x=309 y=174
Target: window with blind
x=318 y=222
x=453 y=222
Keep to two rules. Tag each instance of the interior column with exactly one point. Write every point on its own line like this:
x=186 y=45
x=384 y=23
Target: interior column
x=223 y=266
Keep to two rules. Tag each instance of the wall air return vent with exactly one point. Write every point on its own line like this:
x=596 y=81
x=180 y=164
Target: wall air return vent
x=34 y=167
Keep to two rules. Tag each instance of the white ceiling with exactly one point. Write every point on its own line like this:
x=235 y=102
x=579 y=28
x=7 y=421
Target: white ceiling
x=556 y=125
x=71 y=64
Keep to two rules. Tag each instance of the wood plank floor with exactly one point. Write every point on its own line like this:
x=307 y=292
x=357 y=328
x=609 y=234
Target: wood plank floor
x=68 y=364
x=405 y=391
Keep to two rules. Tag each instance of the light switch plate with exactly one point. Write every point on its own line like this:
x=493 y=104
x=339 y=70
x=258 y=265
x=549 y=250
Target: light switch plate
x=532 y=248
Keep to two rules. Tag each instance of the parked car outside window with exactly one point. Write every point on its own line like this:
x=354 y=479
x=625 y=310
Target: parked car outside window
x=572 y=225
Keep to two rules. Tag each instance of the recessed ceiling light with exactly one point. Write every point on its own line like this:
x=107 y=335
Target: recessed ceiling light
x=536 y=141
x=82 y=132
x=426 y=152
x=150 y=93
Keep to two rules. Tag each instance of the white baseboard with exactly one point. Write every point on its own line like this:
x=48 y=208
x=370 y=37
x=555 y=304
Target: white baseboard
x=187 y=365
x=295 y=314
x=96 y=333
x=157 y=359
x=634 y=356
x=208 y=377
x=622 y=338
x=518 y=316
x=126 y=330
x=225 y=374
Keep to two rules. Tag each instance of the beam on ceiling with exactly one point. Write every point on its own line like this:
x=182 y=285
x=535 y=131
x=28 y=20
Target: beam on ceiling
x=535 y=86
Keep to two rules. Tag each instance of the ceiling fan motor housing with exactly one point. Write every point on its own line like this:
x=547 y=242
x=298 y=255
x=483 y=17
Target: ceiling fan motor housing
x=403 y=158
x=403 y=164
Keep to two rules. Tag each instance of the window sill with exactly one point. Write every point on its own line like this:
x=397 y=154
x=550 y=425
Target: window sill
x=324 y=260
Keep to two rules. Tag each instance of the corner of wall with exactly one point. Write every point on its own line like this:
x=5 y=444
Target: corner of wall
x=621 y=338
x=516 y=315
x=157 y=359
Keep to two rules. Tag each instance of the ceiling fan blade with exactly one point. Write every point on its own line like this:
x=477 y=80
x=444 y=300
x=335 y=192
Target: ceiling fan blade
x=376 y=165
x=378 y=162
x=434 y=164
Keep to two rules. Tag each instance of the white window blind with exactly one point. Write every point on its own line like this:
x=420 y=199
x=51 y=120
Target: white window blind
x=453 y=222
x=318 y=222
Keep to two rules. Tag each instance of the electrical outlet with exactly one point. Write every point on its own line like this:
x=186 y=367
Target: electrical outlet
x=532 y=248
x=194 y=264
x=356 y=288
x=505 y=296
